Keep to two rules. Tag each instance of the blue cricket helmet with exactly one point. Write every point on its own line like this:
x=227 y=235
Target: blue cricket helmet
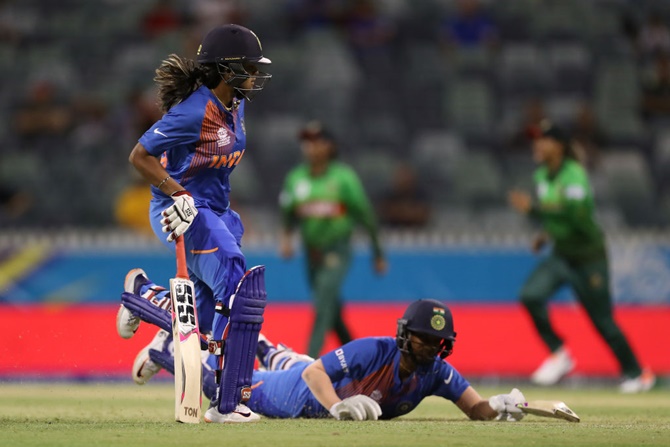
x=429 y=317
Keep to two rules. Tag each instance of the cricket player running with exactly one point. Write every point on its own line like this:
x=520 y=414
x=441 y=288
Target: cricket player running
x=188 y=156
x=366 y=379
x=565 y=209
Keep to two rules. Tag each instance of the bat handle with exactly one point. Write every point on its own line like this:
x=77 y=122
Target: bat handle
x=182 y=270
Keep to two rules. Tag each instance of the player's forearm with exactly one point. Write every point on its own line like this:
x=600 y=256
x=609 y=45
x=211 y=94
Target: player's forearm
x=151 y=169
x=476 y=408
x=482 y=411
x=320 y=385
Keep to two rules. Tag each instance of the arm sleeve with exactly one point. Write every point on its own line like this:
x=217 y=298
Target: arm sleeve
x=355 y=359
x=361 y=210
x=176 y=128
x=450 y=384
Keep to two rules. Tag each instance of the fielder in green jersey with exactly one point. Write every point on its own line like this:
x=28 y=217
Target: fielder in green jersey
x=325 y=199
x=565 y=210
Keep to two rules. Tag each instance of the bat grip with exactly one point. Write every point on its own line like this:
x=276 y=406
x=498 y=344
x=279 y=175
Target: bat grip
x=182 y=270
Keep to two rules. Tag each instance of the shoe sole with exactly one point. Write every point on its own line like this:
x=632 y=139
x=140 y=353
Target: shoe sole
x=240 y=421
x=121 y=326
x=129 y=287
x=137 y=378
x=141 y=360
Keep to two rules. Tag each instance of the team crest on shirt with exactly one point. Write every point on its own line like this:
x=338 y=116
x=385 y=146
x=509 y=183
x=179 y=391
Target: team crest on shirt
x=223 y=137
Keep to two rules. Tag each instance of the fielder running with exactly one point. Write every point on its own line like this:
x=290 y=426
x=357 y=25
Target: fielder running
x=366 y=379
x=565 y=209
x=188 y=156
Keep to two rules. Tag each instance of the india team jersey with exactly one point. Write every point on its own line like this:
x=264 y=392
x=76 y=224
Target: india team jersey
x=199 y=143
x=366 y=366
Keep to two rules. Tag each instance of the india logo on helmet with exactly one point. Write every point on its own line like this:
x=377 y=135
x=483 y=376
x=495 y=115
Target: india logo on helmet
x=437 y=322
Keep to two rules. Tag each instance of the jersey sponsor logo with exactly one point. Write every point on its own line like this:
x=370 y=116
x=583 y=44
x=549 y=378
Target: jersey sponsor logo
x=321 y=208
x=343 y=362
x=447 y=381
x=159 y=132
x=223 y=137
x=226 y=161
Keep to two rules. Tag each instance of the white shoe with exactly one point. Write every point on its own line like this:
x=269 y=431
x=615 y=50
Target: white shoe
x=241 y=414
x=127 y=323
x=143 y=368
x=557 y=365
x=640 y=384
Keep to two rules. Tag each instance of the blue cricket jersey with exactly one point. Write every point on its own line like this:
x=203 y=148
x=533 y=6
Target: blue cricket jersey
x=199 y=143
x=367 y=366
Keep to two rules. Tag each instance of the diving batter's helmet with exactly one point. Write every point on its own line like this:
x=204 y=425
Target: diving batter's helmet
x=231 y=47
x=427 y=317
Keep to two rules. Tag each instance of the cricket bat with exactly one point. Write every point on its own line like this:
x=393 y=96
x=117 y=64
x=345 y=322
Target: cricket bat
x=186 y=337
x=550 y=409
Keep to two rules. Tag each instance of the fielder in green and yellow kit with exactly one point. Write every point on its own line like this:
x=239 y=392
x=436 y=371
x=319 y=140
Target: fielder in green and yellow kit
x=325 y=199
x=565 y=210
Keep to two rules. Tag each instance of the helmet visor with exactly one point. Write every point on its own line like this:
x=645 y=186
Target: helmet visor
x=241 y=72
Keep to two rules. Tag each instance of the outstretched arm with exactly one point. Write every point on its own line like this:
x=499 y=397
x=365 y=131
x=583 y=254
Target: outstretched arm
x=358 y=408
x=502 y=407
x=476 y=408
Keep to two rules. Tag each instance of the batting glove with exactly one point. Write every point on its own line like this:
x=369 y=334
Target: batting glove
x=506 y=405
x=356 y=408
x=179 y=216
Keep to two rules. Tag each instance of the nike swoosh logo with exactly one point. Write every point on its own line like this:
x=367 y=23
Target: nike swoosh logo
x=159 y=132
x=447 y=381
x=246 y=415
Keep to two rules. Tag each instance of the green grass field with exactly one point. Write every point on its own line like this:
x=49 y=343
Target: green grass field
x=69 y=414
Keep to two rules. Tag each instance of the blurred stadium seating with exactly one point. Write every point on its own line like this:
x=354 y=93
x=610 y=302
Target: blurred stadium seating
x=448 y=112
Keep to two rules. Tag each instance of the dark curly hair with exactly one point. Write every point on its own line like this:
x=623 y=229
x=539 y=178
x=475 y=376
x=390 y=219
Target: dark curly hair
x=178 y=77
